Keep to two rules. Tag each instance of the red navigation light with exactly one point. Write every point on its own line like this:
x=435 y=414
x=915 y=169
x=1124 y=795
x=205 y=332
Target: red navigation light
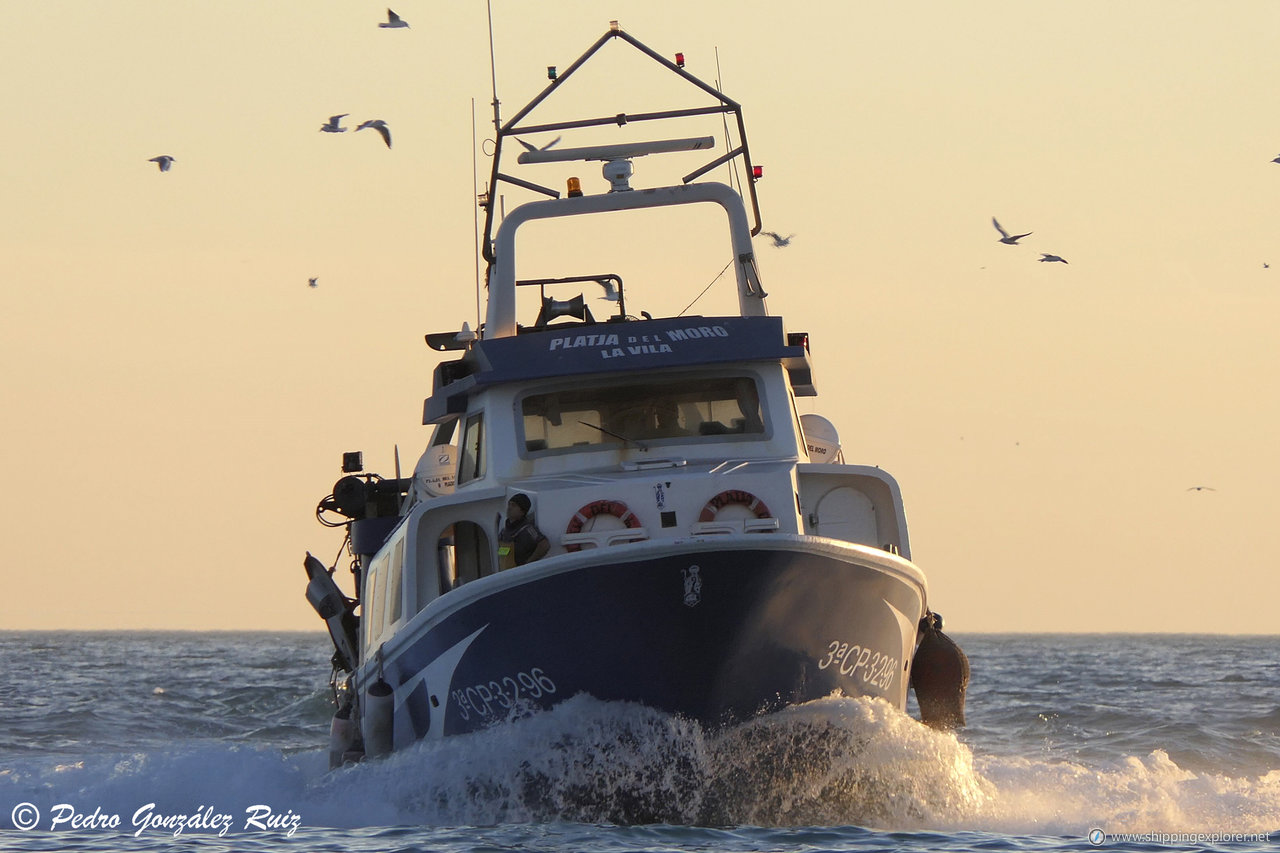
x=757 y=172
x=680 y=60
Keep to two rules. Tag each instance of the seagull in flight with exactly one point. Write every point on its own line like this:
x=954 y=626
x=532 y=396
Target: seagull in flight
x=610 y=292
x=313 y=282
x=530 y=146
x=1045 y=257
x=1004 y=235
x=164 y=161
x=378 y=125
x=393 y=21
x=334 y=124
x=778 y=240
x=1201 y=489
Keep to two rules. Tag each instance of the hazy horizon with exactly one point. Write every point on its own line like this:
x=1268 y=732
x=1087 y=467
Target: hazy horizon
x=177 y=398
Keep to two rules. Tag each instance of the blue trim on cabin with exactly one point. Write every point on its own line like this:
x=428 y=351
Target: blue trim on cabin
x=601 y=348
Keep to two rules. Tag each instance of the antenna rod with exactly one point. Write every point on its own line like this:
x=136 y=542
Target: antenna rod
x=475 y=219
x=493 y=69
x=733 y=163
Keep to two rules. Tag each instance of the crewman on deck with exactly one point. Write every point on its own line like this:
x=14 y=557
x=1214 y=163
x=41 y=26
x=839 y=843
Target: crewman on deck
x=520 y=541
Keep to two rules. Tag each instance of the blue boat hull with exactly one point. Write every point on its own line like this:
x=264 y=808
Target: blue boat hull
x=717 y=635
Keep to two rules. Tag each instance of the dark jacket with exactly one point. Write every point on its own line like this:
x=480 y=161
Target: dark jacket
x=522 y=537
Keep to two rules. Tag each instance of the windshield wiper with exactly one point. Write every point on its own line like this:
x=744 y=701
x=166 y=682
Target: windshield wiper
x=617 y=435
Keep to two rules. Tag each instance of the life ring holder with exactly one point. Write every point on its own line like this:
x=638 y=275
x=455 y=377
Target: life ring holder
x=601 y=507
x=730 y=497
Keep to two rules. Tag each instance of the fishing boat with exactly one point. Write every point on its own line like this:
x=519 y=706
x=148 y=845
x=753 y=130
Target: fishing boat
x=629 y=507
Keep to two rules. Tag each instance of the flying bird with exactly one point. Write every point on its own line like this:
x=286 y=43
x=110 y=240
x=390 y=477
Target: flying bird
x=1201 y=489
x=1276 y=160
x=312 y=282
x=778 y=240
x=610 y=292
x=1004 y=235
x=334 y=124
x=378 y=125
x=1045 y=257
x=164 y=161
x=393 y=21
x=532 y=147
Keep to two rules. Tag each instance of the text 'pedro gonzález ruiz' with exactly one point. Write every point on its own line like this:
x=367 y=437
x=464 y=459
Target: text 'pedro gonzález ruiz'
x=204 y=819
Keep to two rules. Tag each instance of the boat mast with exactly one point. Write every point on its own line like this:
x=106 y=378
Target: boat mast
x=475 y=217
x=493 y=71
x=483 y=251
x=722 y=104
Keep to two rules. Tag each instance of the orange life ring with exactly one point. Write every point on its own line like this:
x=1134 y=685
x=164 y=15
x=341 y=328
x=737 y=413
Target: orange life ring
x=602 y=507
x=734 y=496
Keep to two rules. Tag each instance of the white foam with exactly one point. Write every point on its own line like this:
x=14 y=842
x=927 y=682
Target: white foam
x=1132 y=795
x=832 y=762
x=227 y=778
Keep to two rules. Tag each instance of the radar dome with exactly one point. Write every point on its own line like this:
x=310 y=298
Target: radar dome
x=821 y=438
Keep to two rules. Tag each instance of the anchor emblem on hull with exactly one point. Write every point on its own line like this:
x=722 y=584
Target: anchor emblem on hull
x=692 y=586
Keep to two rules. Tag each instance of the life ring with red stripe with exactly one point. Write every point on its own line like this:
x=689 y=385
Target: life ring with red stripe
x=602 y=507
x=734 y=496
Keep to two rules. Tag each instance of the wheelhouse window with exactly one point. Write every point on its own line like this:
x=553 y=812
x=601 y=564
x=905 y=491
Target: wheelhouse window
x=383 y=595
x=666 y=411
x=471 y=465
x=395 y=584
x=374 y=601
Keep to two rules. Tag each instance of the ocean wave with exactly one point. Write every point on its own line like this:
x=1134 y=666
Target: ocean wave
x=834 y=762
x=1130 y=795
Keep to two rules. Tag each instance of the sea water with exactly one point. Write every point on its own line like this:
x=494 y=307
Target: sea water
x=218 y=742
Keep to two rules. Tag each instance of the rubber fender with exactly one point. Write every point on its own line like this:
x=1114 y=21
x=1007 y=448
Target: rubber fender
x=343 y=735
x=939 y=676
x=375 y=722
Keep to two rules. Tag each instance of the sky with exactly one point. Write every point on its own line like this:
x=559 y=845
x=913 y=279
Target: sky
x=175 y=398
